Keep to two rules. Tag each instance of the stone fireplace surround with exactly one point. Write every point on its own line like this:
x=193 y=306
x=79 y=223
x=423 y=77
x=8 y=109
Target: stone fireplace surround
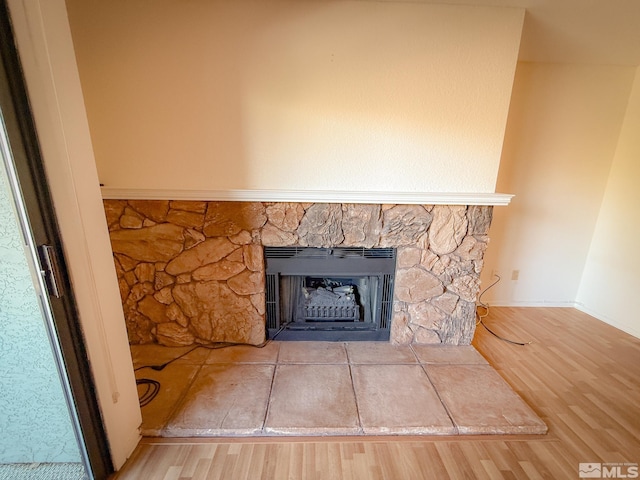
x=193 y=272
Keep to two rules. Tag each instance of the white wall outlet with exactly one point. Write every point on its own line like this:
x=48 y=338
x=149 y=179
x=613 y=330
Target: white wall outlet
x=515 y=274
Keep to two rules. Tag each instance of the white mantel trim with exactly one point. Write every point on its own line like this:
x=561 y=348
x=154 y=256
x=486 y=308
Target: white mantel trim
x=311 y=196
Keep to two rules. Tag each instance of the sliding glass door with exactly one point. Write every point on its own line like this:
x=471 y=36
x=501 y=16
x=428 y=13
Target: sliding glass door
x=49 y=414
x=37 y=417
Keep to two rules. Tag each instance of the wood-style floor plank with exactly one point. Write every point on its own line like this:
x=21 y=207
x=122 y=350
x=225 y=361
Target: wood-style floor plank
x=580 y=375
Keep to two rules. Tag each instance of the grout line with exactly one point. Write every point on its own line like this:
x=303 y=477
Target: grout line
x=273 y=379
x=345 y=345
x=181 y=399
x=444 y=405
x=268 y=409
x=353 y=387
x=415 y=354
x=355 y=397
x=278 y=354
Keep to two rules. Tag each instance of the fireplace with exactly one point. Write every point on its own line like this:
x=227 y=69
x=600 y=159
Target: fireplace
x=337 y=294
x=195 y=272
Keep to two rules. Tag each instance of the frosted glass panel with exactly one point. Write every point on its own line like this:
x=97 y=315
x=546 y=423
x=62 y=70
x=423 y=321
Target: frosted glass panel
x=34 y=418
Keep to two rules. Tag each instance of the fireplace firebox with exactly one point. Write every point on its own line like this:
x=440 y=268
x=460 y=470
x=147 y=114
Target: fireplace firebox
x=329 y=294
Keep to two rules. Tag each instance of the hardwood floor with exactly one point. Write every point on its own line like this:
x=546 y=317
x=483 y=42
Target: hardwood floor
x=580 y=375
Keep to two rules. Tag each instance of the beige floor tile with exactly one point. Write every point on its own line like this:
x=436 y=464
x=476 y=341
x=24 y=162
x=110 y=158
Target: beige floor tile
x=313 y=394
x=245 y=354
x=454 y=354
x=224 y=400
x=312 y=352
x=379 y=353
x=312 y=400
x=398 y=399
x=174 y=382
x=152 y=354
x=481 y=402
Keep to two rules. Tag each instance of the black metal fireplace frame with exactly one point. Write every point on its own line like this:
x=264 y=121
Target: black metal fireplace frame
x=330 y=262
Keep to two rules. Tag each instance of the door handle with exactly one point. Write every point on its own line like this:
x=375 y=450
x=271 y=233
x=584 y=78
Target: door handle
x=50 y=270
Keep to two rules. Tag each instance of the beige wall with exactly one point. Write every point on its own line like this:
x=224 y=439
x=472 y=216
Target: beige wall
x=611 y=283
x=563 y=128
x=46 y=51
x=296 y=95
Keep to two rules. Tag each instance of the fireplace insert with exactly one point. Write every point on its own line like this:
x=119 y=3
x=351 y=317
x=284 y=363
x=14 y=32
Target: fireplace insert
x=329 y=294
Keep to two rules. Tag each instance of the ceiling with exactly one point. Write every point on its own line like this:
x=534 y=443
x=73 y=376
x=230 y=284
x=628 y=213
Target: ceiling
x=603 y=32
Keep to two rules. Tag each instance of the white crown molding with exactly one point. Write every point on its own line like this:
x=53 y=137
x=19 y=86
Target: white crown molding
x=310 y=196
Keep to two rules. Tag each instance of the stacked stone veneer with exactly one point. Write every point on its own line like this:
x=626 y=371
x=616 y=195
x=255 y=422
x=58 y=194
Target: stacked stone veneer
x=193 y=272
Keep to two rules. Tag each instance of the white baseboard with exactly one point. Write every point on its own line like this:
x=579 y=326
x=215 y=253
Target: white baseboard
x=529 y=303
x=634 y=331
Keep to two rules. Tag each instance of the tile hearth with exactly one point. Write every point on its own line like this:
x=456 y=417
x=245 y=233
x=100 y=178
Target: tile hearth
x=325 y=388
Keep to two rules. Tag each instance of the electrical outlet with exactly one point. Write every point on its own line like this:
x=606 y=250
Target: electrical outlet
x=515 y=274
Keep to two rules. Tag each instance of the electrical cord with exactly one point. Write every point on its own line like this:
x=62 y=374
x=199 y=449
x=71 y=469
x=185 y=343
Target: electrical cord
x=482 y=304
x=160 y=367
x=282 y=327
x=153 y=387
x=481 y=318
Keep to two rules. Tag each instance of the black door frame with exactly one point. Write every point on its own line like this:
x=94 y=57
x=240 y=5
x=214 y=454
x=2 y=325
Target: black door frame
x=44 y=229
